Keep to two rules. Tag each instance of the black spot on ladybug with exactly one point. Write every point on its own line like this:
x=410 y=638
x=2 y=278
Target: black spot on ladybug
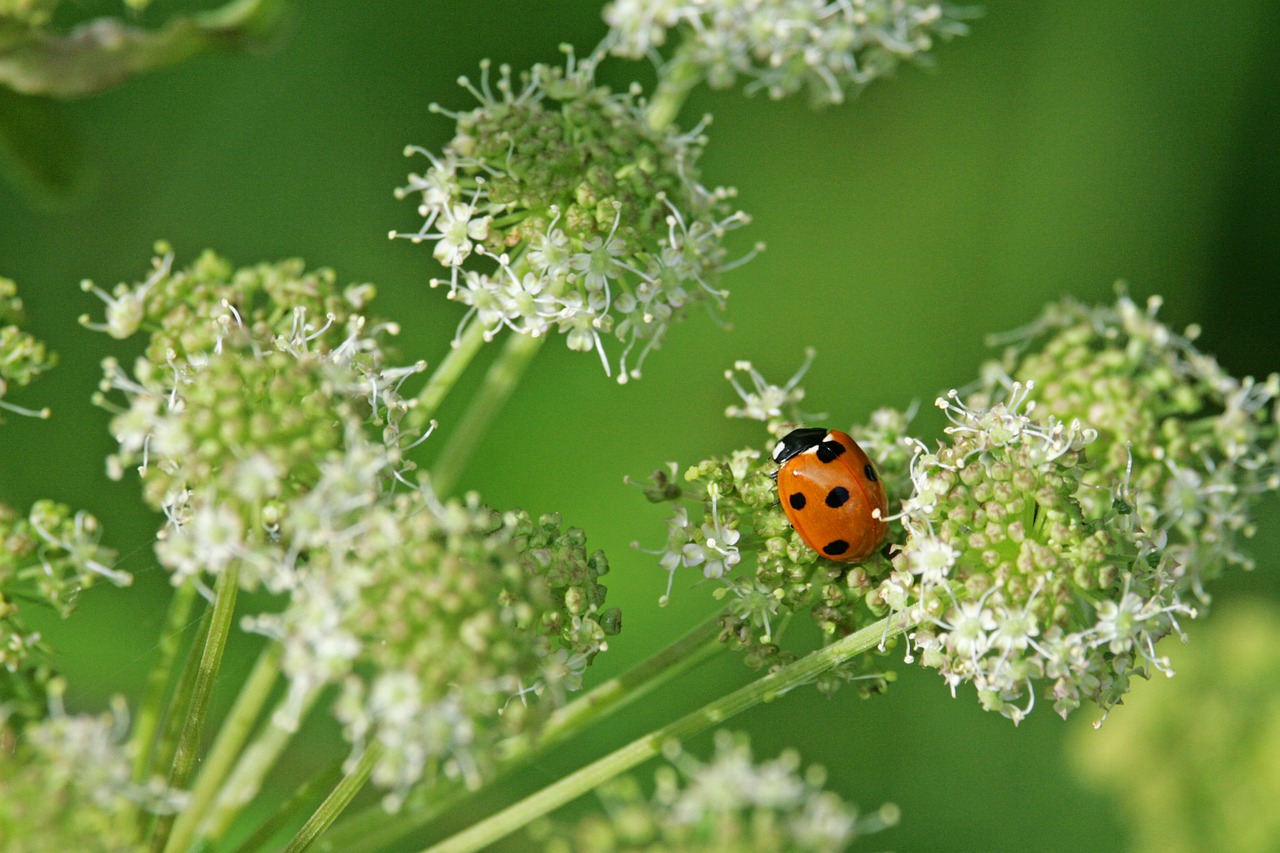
x=829 y=450
x=837 y=496
x=835 y=548
x=797 y=501
x=870 y=472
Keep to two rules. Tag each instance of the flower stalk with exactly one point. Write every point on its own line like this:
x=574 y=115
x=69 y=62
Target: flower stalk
x=196 y=704
x=499 y=382
x=229 y=743
x=337 y=800
x=373 y=828
x=765 y=689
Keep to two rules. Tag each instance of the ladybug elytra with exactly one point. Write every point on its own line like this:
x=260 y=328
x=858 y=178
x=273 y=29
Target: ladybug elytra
x=829 y=489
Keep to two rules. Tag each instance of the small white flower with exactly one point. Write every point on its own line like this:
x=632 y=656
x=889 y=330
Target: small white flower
x=460 y=229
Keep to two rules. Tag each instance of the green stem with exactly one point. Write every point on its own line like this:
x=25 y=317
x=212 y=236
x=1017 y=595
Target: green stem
x=447 y=372
x=499 y=382
x=147 y=721
x=305 y=793
x=197 y=702
x=373 y=829
x=337 y=800
x=575 y=784
x=166 y=743
x=244 y=782
x=618 y=692
x=678 y=78
x=230 y=741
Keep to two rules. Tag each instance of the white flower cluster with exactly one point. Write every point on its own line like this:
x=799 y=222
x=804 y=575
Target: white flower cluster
x=1009 y=582
x=272 y=444
x=781 y=46
x=1193 y=445
x=590 y=223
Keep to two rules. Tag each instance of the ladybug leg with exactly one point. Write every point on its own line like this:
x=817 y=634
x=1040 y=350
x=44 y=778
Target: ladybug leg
x=890 y=551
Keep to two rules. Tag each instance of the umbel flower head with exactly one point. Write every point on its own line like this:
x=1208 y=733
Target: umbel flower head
x=730 y=802
x=1065 y=528
x=466 y=626
x=271 y=441
x=1049 y=543
x=728 y=526
x=782 y=46
x=557 y=207
x=1194 y=445
x=252 y=382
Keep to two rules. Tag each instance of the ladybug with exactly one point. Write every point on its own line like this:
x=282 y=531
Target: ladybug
x=829 y=489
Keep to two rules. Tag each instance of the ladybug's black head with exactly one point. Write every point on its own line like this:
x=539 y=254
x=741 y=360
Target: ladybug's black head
x=796 y=442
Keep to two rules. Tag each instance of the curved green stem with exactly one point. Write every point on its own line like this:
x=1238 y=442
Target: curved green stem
x=337 y=800
x=197 y=703
x=499 y=382
x=373 y=829
x=447 y=372
x=580 y=782
x=227 y=746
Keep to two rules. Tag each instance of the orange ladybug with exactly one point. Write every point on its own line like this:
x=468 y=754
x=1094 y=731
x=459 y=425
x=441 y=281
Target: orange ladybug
x=829 y=489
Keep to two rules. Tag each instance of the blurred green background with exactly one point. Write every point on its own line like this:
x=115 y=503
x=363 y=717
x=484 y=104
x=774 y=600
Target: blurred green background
x=1057 y=148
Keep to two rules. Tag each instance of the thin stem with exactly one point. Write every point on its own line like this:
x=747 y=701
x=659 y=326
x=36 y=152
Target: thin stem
x=618 y=692
x=574 y=785
x=337 y=800
x=244 y=782
x=147 y=720
x=677 y=79
x=447 y=372
x=499 y=382
x=166 y=742
x=197 y=704
x=230 y=741
x=374 y=829
x=305 y=793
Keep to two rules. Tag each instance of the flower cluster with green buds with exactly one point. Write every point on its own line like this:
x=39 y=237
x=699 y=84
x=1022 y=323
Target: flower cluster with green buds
x=266 y=425
x=1009 y=581
x=1104 y=470
x=782 y=46
x=730 y=802
x=48 y=555
x=1193 y=445
x=22 y=357
x=586 y=219
x=727 y=525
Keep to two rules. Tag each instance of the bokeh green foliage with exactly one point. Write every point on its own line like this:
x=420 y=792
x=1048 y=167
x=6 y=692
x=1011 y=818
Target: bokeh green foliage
x=1194 y=764
x=1055 y=149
